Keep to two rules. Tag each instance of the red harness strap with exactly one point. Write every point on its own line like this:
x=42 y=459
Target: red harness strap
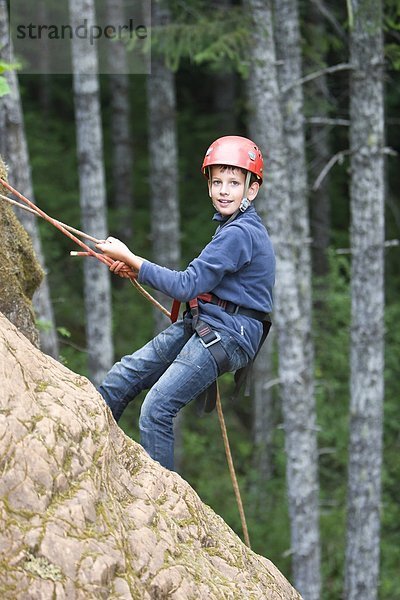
x=209 y=297
x=175 y=310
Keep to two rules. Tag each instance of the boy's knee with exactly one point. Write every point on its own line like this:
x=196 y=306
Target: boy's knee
x=155 y=408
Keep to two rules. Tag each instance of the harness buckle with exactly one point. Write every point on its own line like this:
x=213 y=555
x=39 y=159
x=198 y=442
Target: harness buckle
x=213 y=341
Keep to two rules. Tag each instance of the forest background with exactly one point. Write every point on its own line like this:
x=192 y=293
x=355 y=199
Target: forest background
x=207 y=51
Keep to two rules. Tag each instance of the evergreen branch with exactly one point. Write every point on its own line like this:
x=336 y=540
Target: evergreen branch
x=387 y=244
x=338 y=157
x=219 y=40
x=316 y=74
x=328 y=121
x=272 y=383
x=390 y=151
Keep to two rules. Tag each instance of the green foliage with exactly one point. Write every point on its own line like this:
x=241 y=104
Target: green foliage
x=392 y=29
x=4 y=66
x=392 y=52
x=4 y=87
x=218 y=37
x=392 y=15
x=64 y=332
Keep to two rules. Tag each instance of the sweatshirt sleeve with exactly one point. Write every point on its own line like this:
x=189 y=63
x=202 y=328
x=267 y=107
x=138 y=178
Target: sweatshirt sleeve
x=228 y=252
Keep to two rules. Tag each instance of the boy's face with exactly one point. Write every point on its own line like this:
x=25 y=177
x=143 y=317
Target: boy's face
x=226 y=188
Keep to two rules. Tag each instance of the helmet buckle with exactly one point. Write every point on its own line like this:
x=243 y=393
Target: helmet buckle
x=244 y=205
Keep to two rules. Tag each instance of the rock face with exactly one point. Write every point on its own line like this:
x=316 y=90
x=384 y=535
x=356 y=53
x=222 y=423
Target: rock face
x=86 y=514
x=20 y=272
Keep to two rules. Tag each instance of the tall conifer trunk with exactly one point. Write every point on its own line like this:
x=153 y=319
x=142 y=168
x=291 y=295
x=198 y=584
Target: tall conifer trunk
x=264 y=419
x=165 y=222
x=320 y=199
x=121 y=138
x=224 y=89
x=320 y=150
x=367 y=301
x=163 y=177
x=92 y=192
x=287 y=36
x=298 y=408
x=14 y=150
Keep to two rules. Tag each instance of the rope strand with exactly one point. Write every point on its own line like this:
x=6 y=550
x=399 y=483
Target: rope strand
x=35 y=212
x=54 y=222
x=71 y=232
x=232 y=471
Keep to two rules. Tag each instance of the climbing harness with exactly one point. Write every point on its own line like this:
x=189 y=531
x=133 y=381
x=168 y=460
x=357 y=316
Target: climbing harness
x=212 y=341
x=208 y=337
x=234 y=309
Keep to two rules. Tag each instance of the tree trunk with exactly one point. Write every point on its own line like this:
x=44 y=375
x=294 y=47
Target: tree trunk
x=121 y=139
x=287 y=35
x=264 y=418
x=298 y=408
x=165 y=222
x=320 y=199
x=320 y=152
x=367 y=301
x=92 y=192
x=224 y=89
x=14 y=149
x=287 y=31
x=163 y=149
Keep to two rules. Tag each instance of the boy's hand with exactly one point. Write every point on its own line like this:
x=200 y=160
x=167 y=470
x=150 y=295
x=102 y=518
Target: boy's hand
x=120 y=268
x=116 y=249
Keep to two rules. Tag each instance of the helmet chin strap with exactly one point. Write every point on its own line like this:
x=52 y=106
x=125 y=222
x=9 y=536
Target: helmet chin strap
x=245 y=203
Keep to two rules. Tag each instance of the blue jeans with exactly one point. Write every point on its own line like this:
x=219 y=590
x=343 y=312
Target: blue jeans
x=176 y=367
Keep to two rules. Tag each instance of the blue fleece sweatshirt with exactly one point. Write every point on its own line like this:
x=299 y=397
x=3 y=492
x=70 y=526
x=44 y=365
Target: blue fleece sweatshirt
x=237 y=265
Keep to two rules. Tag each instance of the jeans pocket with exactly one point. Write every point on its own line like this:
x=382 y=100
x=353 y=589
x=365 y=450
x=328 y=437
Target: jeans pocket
x=238 y=357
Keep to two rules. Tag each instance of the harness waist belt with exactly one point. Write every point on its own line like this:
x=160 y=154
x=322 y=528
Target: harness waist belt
x=234 y=309
x=212 y=341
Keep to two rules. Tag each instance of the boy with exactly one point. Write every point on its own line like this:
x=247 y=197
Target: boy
x=228 y=288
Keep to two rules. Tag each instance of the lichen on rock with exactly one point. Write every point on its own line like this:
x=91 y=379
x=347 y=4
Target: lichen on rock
x=41 y=567
x=86 y=513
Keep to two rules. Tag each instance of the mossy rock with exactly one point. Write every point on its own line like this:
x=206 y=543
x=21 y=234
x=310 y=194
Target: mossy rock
x=3 y=175
x=20 y=272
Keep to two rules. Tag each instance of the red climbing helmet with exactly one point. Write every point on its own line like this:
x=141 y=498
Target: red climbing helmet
x=235 y=151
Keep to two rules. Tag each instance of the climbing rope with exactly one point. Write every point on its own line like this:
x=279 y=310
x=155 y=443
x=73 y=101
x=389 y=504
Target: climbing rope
x=72 y=233
x=232 y=469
